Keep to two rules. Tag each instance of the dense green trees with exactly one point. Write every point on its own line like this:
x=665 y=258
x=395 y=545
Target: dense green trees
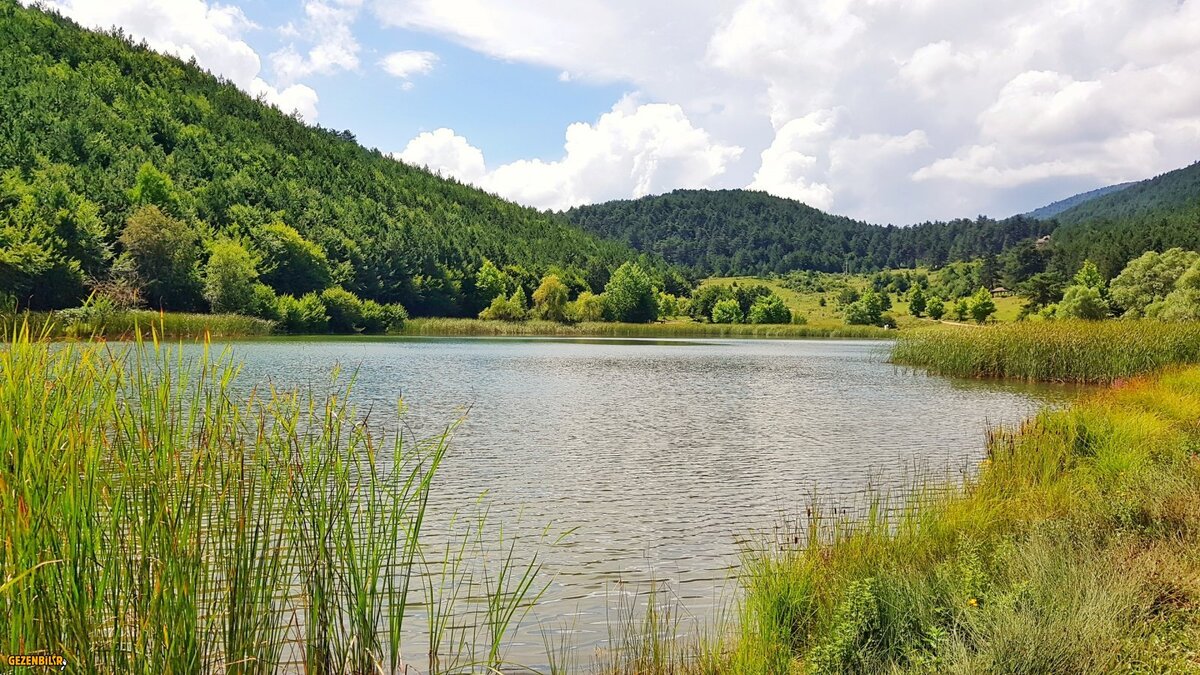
x=1149 y=279
x=229 y=278
x=727 y=311
x=739 y=232
x=550 y=300
x=630 y=295
x=119 y=163
x=769 y=309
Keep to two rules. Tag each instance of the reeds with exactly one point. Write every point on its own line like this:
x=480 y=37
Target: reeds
x=1053 y=351
x=1072 y=551
x=158 y=516
x=476 y=327
x=128 y=324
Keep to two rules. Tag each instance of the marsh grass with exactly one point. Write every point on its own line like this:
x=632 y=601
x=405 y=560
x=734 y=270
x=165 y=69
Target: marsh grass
x=1052 y=351
x=476 y=327
x=129 y=324
x=157 y=517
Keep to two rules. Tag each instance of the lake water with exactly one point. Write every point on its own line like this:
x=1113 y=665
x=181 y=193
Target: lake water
x=663 y=458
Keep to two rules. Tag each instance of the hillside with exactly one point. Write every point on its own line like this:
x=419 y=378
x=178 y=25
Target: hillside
x=741 y=232
x=93 y=127
x=1154 y=214
x=1052 y=210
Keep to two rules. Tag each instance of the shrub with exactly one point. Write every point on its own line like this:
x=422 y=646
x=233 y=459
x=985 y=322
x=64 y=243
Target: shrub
x=1082 y=302
x=550 y=299
x=935 y=308
x=727 y=311
x=344 y=310
x=291 y=263
x=305 y=315
x=981 y=306
x=769 y=309
x=705 y=298
x=917 y=304
x=380 y=318
x=230 y=278
x=161 y=254
x=587 y=307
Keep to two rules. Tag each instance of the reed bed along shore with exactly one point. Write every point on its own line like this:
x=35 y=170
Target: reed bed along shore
x=1098 y=352
x=158 y=518
x=476 y=327
x=128 y=324
x=1076 y=549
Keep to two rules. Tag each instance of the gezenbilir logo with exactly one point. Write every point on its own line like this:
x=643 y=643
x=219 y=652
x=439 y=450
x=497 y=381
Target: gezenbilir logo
x=36 y=660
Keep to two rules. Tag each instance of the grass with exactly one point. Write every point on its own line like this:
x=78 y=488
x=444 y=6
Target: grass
x=450 y=327
x=1057 y=351
x=1075 y=549
x=139 y=323
x=158 y=517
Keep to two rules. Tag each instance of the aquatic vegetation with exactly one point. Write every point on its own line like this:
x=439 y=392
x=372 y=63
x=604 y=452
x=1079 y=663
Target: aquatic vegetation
x=607 y=329
x=160 y=517
x=1054 y=351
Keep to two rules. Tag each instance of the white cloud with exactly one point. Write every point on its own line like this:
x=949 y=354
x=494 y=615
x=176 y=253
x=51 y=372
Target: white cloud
x=934 y=106
x=406 y=64
x=446 y=153
x=333 y=47
x=210 y=33
x=632 y=150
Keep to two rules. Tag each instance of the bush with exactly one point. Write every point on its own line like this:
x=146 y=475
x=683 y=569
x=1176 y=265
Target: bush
x=291 y=263
x=866 y=311
x=935 y=308
x=263 y=303
x=727 y=311
x=769 y=309
x=550 y=299
x=1082 y=302
x=306 y=315
x=344 y=309
x=506 y=309
x=981 y=306
x=587 y=307
x=705 y=298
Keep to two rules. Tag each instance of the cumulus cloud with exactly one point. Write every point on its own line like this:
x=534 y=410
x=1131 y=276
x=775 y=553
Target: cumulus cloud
x=632 y=150
x=935 y=106
x=326 y=27
x=406 y=64
x=209 y=33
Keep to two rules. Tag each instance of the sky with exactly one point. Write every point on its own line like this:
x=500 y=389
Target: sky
x=890 y=111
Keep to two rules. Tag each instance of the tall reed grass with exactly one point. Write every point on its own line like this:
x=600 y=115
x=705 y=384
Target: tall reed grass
x=1055 y=351
x=128 y=324
x=476 y=327
x=159 y=517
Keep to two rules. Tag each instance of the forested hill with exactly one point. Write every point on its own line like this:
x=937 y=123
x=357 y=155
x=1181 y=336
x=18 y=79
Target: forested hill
x=94 y=127
x=738 y=232
x=1155 y=214
x=1052 y=210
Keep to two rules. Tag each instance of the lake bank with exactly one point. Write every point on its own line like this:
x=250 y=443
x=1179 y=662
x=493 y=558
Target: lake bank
x=465 y=327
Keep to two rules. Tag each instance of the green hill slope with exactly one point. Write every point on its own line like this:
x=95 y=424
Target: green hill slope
x=741 y=232
x=81 y=112
x=1052 y=210
x=1154 y=214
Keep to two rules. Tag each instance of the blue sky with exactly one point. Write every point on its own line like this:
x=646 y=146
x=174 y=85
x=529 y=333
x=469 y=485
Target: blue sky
x=893 y=111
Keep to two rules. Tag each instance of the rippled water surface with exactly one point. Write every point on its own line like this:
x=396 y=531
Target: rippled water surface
x=663 y=455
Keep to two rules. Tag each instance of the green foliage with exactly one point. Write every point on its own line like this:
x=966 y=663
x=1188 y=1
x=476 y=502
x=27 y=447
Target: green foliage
x=289 y=263
x=962 y=309
x=126 y=129
x=745 y=233
x=705 y=298
x=1082 y=302
x=1149 y=279
x=669 y=306
x=1088 y=276
x=229 y=278
x=917 y=304
x=550 y=300
x=587 y=307
x=303 y=315
x=1182 y=303
x=769 y=309
x=981 y=306
x=727 y=311
x=512 y=308
x=630 y=295
x=344 y=310
x=936 y=308
x=867 y=310
x=491 y=283
x=160 y=252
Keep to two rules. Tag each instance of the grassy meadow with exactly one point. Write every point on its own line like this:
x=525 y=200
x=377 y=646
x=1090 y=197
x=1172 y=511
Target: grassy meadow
x=159 y=517
x=1053 y=351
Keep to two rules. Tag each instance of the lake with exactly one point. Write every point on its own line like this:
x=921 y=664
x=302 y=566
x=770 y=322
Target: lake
x=660 y=459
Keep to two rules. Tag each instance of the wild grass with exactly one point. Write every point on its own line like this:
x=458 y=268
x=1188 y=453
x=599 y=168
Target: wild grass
x=475 y=327
x=1075 y=549
x=1057 y=351
x=128 y=324
x=158 y=516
